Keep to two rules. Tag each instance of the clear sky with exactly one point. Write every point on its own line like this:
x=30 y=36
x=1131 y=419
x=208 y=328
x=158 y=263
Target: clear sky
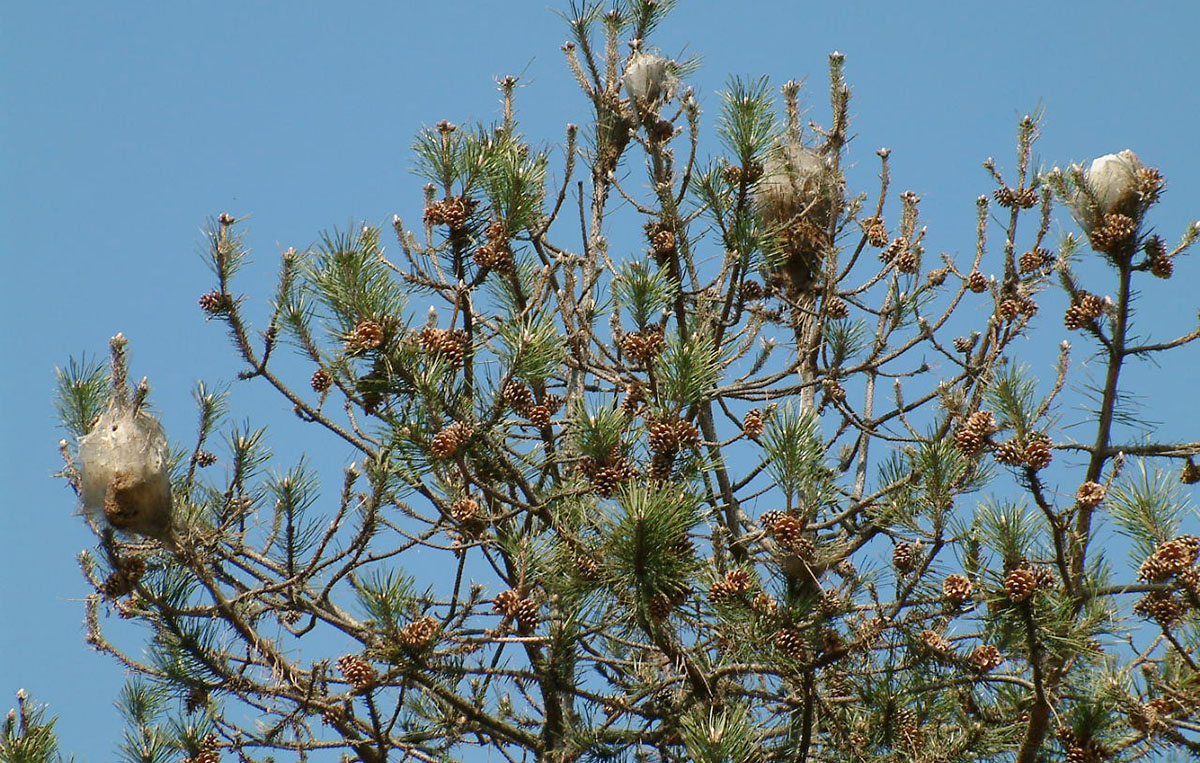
x=122 y=129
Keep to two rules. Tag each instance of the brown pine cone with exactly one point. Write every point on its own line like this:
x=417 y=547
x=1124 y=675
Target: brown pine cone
x=783 y=527
x=1162 y=267
x=986 y=658
x=1005 y=197
x=1020 y=584
x=587 y=567
x=1170 y=558
x=539 y=416
x=506 y=602
x=896 y=248
x=1037 y=452
x=527 y=616
x=1090 y=494
x=447 y=442
x=957 y=589
x=908 y=261
x=205 y=459
x=751 y=290
x=357 y=671
x=1035 y=260
x=837 y=309
x=904 y=556
x=937 y=277
x=1164 y=607
x=752 y=423
x=419 y=633
x=663 y=243
x=367 y=335
x=763 y=604
x=968 y=441
x=791 y=642
x=936 y=642
x=214 y=302
x=977 y=282
x=663 y=438
x=1190 y=474
x=1115 y=232
x=687 y=434
x=321 y=380
x=1010 y=453
x=1076 y=318
x=877 y=232
x=661 y=465
x=964 y=344
x=465 y=510
x=1008 y=309
x=517 y=396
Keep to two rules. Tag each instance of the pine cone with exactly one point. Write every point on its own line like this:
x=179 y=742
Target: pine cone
x=214 y=302
x=964 y=344
x=936 y=642
x=1037 y=452
x=123 y=579
x=661 y=465
x=1010 y=453
x=968 y=441
x=367 y=335
x=587 y=567
x=663 y=438
x=1090 y=494
x=496 y=255
x=663 y=243
x=783 y=527
x=790 y=642
x=1114 y=233
x=1020 y=584
x=1190 y=474
x=1008 y=309
x=877 y=232
x=752 y=423
x=896 y=248
x=527 y=616
x=465 y=510
x=986 y=658
x=357 y=671
x=977 y=282
x=1163 y=607
x=205 y=459
x=447 y=442
x=517 y=396
x=1035 y=260
x=321 y=380
x=1170 y=558
x=837 y=309
x=419 y=633
x=763 y=604
x=539 y=416
x=751 y=290
x=506 y=602
x=937 y=277
x=1076 y=318
x=957 y=589
x=904 y=556
x=687 y=434
x=1162 y=267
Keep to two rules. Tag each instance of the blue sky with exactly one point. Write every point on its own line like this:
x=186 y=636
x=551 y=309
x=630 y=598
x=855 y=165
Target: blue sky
x=122 y=130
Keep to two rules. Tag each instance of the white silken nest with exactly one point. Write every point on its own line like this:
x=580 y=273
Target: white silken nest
x=123 y=472
x=648 y=80
x=1112 y=180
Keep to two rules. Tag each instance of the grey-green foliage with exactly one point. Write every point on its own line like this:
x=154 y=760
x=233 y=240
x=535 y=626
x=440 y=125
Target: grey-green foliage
x=348 y=275
x=796 y=453
x=688 y=370
x=747 y=124
x=28 y=736
x=82 y=393
x=532 y=347
x=644 y=291
x=1148 y=505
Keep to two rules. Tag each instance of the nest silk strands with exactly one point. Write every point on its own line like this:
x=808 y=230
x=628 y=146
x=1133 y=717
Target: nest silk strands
x=123 y=471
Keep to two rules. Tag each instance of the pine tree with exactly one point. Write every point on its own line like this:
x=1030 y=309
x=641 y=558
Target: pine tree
x=671 y=535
